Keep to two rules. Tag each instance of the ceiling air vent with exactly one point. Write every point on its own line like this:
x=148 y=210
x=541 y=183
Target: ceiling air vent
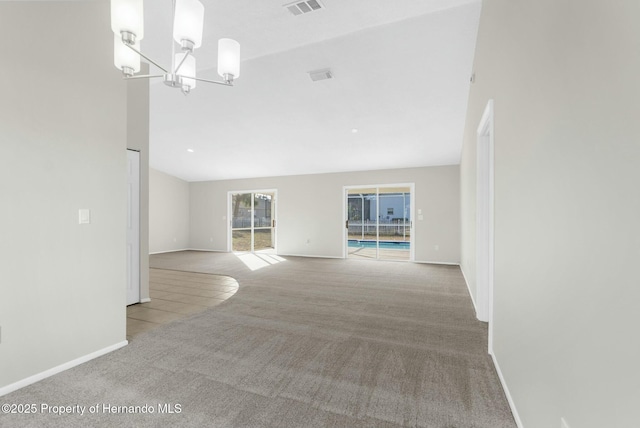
x=301 y=7
x=323 y=74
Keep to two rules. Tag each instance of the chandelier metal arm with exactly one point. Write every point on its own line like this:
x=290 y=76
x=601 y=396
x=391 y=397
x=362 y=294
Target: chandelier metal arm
x=143 y=76
x=146 y=57
x=217 y=82
x=186 y=54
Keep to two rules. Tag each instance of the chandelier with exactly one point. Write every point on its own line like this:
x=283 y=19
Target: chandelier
x=127 y=23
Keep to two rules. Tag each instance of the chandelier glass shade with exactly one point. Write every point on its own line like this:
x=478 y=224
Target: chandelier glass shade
x=189 y=69
x=188 y=22
x=124 y=58
x=127 y=16
x=228 y=58
x=127 y=24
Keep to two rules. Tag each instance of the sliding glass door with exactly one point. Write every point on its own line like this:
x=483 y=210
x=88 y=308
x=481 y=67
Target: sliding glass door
x=253 y=221
x=378 y=222
x=263 y=222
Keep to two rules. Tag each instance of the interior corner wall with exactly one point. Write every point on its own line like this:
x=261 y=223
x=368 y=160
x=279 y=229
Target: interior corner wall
x=310 y=208
x=63 y=148
x=564 y=79
x=168 y=213
x=138 y=140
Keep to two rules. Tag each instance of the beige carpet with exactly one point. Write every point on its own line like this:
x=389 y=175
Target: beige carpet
x=304 y=343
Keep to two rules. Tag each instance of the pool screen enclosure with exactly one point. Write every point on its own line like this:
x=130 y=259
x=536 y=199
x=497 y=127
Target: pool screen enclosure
x=378 y=222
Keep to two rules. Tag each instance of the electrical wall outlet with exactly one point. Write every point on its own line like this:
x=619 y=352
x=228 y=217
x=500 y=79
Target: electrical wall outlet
x=84 y=216
x=563 y=423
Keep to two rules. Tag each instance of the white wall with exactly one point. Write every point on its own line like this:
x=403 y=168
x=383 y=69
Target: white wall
x=168 y=213
x=62 y=148
x=564 y=77
x=311 y=207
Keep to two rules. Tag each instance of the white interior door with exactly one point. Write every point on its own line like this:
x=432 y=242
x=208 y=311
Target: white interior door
x=133 y=227
x=484 y=220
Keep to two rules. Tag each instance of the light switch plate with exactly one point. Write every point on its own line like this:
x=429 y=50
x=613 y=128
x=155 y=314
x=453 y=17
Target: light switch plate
x=84 y=216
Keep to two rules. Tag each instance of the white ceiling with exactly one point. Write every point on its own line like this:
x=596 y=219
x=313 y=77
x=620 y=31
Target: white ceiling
x=401 y=77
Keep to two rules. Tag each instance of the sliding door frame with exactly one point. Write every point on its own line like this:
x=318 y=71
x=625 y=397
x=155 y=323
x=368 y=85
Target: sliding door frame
x=274 y=214
x=345 y=195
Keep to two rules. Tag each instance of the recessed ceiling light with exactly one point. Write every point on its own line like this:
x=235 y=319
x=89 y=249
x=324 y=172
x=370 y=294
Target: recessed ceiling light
x=354 y=130
x=190 y=150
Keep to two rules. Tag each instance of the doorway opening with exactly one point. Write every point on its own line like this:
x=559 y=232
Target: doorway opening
x=253 y=221
x=484 y=220
x=379 y=222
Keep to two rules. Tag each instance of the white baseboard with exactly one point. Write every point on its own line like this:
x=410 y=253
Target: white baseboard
x=220 y=251
x=505 y=388
x=512 y=405
x=189 y=249
x=170 y=251
x=436 y=263
x=309 y=256
x=475 y=308
x=303 y=255
x=316 y=256
x=145 y=300
x=58 y=369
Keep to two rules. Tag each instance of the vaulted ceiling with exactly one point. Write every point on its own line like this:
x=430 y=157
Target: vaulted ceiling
x=400 y=79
